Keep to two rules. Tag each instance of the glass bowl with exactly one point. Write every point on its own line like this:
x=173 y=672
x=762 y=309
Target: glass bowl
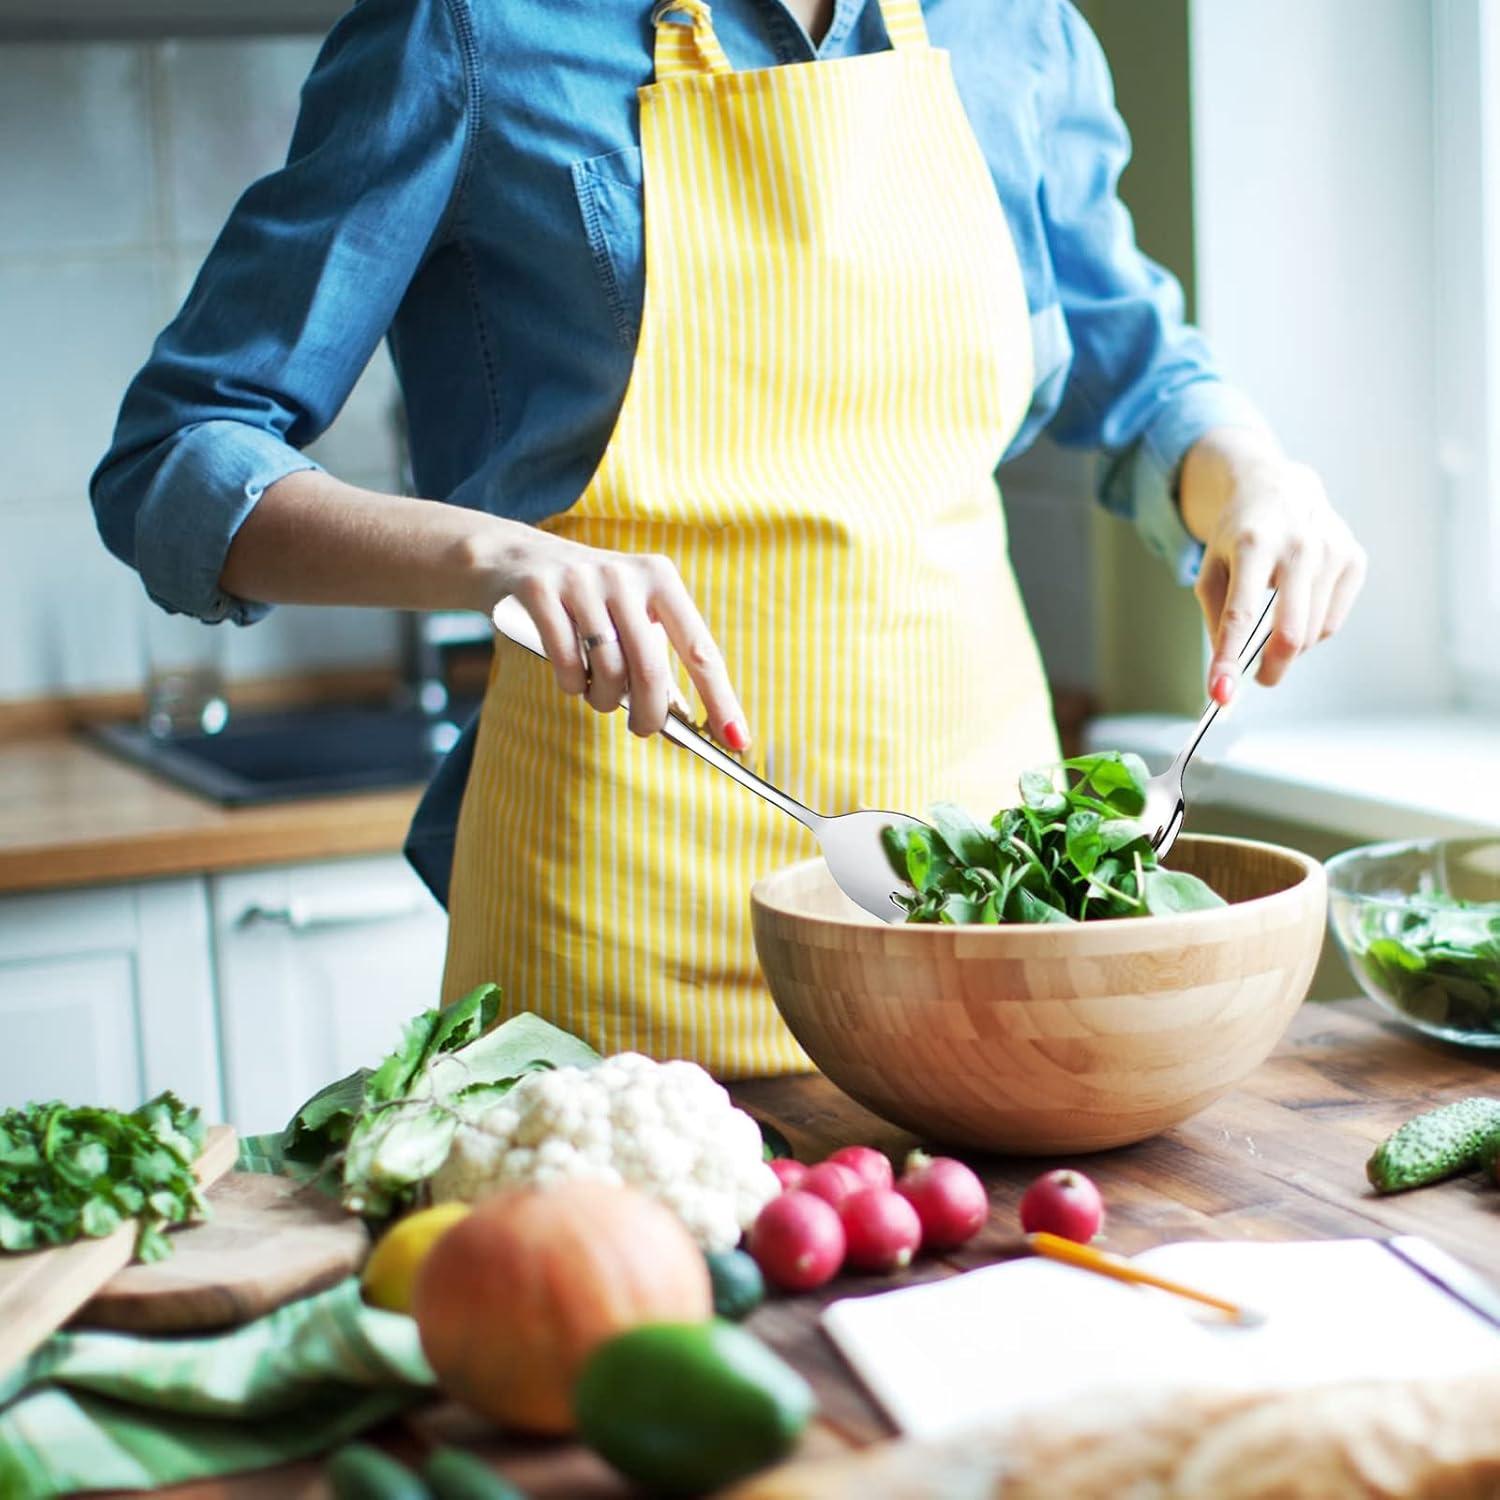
x=1419 y=923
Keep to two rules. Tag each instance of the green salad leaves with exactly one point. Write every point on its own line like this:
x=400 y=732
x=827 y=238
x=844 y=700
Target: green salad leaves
x=1439 y=962
x=69 y=1173
x=1069 y=853
x=386 y=1130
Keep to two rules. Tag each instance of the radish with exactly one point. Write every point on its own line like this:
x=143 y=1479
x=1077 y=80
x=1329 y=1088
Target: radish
x=789 y=1173
x=872 y=1167
x=1064 y=1202
x=831 y=1181
x=797 y=1241
x=882 y=1230
x=949 y=1199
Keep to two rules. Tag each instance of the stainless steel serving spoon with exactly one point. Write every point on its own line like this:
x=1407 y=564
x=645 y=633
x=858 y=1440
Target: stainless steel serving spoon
x=1165 y=805
x=850 y=842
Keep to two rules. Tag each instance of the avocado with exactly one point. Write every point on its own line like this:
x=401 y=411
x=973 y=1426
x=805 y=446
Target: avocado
x=687 y=1408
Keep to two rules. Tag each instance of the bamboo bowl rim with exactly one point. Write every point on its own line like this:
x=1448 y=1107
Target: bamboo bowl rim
x=1080 y=938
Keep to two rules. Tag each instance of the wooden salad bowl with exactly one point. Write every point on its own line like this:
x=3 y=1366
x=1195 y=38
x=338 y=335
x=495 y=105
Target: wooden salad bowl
x=1041 y=1040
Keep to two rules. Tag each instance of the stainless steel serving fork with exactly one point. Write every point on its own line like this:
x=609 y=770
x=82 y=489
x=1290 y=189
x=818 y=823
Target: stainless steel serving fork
x=851 y=842
x=1165 y=804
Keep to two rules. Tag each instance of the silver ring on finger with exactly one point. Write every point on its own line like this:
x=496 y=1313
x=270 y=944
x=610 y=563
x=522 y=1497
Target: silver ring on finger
x=587 y=644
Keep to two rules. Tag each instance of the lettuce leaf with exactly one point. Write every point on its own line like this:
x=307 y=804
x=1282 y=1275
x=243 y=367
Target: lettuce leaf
x=388 y=1129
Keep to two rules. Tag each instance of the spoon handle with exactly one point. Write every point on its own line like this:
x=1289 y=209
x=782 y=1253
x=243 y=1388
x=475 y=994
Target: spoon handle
x=511 y=619
x=1251 y=649
x=681 y=732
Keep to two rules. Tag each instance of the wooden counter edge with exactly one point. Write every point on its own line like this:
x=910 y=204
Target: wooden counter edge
x=72 y=815
x=373 y=824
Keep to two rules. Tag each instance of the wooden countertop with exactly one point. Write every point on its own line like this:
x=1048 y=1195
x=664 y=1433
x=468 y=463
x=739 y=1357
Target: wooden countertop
x=1280 y=1159
x=71 y=814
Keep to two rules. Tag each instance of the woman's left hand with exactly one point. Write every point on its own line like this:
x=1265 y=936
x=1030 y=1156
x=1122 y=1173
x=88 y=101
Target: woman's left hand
x=1265 y=523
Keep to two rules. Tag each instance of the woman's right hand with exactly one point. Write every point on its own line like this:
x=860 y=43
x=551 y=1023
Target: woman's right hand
x=313 y=539
x=639 y=606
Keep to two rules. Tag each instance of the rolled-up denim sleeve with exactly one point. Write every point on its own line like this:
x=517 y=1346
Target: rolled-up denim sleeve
x=1143 y=386
x=292 y=301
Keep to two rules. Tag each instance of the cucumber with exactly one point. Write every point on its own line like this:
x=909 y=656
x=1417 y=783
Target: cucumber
x=360 y=1472
x=739 y=1288
x=687 y=1408
x=1435 y=1145
x=452 y=1474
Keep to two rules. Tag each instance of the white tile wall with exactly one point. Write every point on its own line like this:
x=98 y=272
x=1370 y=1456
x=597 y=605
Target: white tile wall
x=70 y=615
x=75 y=149
x=76 y=327
x=241 y=100
x=313 y=638
x=118 y=165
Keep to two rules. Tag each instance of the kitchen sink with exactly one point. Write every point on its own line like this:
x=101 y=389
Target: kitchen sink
x=308 y=752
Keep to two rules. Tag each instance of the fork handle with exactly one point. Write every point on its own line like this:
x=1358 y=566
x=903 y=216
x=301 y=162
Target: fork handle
x=1251 y=649
x=511 y=618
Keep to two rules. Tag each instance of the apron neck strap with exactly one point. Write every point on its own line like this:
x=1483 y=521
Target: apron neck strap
x=685 y=40
x=904 y=23
x=686 y=44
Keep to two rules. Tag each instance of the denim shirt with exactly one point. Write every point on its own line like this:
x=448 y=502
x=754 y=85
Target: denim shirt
x=464 y=180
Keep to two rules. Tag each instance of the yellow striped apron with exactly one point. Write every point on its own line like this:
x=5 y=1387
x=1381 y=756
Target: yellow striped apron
x=834 y=353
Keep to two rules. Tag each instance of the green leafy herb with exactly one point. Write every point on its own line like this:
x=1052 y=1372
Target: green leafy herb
x=386 y=1130
x=325 y=1122
x=68 y=1173
x=773 y=1143
x=1068 y=853
x=1438 y=960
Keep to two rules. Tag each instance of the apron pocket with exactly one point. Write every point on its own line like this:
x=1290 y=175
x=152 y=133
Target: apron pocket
x=609 y=200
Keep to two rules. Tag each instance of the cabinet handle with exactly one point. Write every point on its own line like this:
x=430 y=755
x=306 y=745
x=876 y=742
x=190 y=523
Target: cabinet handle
x=302 y=916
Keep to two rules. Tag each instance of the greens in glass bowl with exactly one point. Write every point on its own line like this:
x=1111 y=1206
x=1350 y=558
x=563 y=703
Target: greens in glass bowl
x=1419 y=924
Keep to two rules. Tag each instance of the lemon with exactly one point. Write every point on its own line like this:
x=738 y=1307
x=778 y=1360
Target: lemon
x=391 y=1270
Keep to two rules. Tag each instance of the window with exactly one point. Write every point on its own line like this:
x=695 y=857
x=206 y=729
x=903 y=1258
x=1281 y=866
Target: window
x=1466 y=61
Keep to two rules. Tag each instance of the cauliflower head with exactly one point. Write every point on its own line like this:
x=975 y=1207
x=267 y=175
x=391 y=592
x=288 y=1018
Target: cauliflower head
x=665 y=1128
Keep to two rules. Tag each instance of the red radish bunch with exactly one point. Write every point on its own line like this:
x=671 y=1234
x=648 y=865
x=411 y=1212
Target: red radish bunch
x=833 y=1182
x=880 y=1224
x=882 y=1230
x=789 y=1173
x=1064 y=1202
x=798 y=1241
x=872 y=1167
x=949 y=1199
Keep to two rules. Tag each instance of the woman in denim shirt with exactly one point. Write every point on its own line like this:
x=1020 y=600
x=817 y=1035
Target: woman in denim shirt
x=846 y=254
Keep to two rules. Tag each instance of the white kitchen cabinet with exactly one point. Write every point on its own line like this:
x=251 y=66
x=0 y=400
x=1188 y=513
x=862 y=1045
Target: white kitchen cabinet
x=244 y=993
x=317 y=967
x=106 y=996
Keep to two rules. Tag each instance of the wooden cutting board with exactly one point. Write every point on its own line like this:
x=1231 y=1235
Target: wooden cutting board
x=41 y=1290
x=270 y=1240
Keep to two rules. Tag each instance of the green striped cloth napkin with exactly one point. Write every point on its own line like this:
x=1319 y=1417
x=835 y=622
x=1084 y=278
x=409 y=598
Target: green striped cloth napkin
x=96 y=1411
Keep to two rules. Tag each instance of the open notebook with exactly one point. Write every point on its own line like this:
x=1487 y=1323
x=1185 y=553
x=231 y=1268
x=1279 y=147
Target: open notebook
x=997 y=1341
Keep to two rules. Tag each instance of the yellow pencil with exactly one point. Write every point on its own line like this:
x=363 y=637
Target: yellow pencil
x=1070 y=1253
